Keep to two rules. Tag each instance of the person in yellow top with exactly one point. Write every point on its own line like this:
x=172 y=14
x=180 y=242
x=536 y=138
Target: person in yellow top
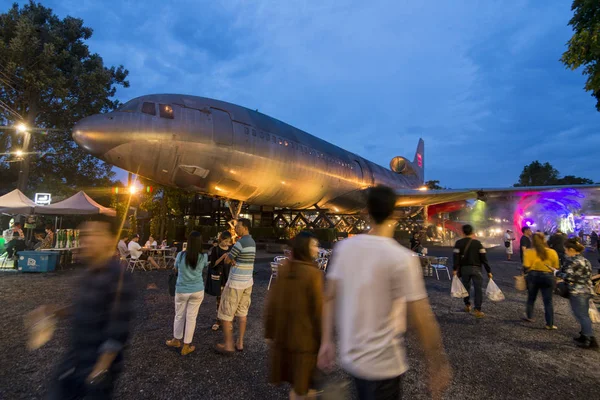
x=539 y=264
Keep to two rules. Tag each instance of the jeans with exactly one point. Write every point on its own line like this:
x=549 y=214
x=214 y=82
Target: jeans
x=543 y=281
x=186 y=312
x=387 y=389
x=580 y=303
x=468 y=273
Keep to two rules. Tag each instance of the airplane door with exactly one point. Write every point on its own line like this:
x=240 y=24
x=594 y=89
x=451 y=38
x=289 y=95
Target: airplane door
x=222 y=127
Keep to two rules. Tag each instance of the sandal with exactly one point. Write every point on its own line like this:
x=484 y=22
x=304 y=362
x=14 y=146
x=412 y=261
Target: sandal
x=187 y=349
x=174 y=343
x=215 y=326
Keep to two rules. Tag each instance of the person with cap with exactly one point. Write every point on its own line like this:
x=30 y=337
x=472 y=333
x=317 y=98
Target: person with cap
x=136 y=252
x=508 y=243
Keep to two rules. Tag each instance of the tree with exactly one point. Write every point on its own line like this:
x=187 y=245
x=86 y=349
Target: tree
x=538 y=174
x=49 y=80
x=584 y=47
x=574 y=180
x=433 y=185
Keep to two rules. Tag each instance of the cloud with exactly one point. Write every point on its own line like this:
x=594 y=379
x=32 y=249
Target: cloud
x=479 y=81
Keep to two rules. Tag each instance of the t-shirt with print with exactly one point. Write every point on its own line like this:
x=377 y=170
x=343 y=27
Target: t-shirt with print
x=375 y=277
x=243 y=253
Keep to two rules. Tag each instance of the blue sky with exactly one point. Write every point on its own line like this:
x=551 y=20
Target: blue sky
x=480 y=81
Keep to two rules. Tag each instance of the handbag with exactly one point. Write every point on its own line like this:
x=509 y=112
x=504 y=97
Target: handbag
x=562 y=289
x=520 y=283
x=212 y=285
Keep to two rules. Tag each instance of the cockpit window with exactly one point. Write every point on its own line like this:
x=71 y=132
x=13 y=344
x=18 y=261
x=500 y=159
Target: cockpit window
x=166 y=111
x=130 y=106
x=149 y=108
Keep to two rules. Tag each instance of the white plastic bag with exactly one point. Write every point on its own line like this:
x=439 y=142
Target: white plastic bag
x=594 y=314
x=458 y=289
x=493 y=292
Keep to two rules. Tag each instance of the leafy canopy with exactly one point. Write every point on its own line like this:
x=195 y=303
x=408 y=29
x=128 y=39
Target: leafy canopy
x=584 y=47
x=538 y=174
x=50 y=80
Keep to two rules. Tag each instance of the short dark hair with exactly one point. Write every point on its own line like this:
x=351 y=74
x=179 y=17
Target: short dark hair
x=467 y=229
x=300 y=246
x=245 y=222
x=574 y=244
x=17 y=224
x=225 y=235
x=49 y=227
x=525 y=228
x=381 y=203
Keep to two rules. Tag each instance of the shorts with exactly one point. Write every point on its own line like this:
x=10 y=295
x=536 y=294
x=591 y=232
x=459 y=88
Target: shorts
x=234 y=303
x=143 y=257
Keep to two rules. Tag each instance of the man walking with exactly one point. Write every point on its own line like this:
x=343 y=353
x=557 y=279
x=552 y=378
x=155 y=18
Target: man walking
x=235 y=298
x=373 y=286
x=525 y=242
x=100 y=321
x=469 y=256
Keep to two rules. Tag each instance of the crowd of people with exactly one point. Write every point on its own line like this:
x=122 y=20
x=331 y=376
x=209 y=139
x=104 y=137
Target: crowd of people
x=543 y=260
x=373 y=290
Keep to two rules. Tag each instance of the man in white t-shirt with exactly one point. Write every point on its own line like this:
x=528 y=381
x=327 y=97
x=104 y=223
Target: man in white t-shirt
x=373 y=285
x=136 y=252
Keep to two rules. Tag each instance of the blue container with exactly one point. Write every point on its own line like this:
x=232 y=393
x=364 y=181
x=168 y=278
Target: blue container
x=38 y=261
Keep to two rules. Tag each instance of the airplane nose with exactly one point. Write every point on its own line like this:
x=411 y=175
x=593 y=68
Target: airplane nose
x=95 y=134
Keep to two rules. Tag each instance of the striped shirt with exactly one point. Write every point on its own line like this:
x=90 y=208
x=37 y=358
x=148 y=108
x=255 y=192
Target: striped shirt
x=243 y=253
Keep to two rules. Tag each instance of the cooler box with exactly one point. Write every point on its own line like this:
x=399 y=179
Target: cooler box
x=38 y=261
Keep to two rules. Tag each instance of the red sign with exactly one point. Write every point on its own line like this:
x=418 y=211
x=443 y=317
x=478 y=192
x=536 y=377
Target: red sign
x=420 y=160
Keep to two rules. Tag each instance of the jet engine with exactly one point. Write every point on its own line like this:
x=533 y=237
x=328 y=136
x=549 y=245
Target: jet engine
x=401 y=165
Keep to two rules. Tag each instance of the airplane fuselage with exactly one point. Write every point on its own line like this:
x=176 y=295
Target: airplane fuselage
x=224 y=150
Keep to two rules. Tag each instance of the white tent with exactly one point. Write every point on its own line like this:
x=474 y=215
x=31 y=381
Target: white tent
x=78 y=204
x=16 y=202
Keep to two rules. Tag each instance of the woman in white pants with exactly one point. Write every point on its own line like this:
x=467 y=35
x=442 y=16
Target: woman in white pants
x=189 y=293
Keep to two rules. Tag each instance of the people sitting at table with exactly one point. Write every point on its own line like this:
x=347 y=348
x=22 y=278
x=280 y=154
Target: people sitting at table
x=17 y=243
x=151 y=243
x=136 y=252
x=164 y=245
x=48 y=241
x=122 y=247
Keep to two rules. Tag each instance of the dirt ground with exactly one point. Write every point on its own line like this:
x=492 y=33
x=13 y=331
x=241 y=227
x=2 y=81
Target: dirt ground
x=498 y=357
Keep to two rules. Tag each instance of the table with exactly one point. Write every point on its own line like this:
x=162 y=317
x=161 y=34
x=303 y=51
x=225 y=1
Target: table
x=160 y=255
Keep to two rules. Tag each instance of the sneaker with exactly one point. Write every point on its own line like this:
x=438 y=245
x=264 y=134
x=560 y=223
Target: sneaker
x=551 y=328
x=479 y=314
x=580 y=338
x=467 y=309
x=589 y=343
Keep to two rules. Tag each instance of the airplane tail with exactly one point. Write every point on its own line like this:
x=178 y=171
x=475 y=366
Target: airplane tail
x=419 y=161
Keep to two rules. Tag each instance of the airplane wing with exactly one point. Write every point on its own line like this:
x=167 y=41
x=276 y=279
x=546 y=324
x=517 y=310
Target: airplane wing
x=416 y=197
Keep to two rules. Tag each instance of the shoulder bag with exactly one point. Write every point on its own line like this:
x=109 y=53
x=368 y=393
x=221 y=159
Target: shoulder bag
x=212 y=286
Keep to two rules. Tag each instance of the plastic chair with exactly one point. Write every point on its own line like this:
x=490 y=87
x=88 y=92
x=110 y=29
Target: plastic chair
x=441 y=264
x=274 y=270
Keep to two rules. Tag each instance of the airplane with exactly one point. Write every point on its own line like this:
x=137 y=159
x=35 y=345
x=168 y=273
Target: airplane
x=227 y=151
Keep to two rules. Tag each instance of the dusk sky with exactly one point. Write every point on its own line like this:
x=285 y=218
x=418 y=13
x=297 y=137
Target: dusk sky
x=480 y=81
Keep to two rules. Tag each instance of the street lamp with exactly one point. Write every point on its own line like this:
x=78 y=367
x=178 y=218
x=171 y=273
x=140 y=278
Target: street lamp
x=133 y=189
x=19 y=153
x=21 y=128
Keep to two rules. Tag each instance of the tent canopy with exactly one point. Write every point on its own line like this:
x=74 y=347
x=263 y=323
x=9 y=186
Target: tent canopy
x=78 y=204
x=16 y=202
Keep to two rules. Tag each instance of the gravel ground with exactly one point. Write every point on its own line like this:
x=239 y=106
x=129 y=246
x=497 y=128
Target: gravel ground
x=498 y=357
